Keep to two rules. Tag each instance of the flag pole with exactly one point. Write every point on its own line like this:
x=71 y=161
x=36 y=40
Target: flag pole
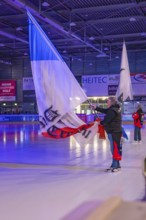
x=95 y=113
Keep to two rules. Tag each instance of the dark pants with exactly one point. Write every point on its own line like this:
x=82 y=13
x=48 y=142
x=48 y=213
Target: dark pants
x=116 y=148
x=137 y=133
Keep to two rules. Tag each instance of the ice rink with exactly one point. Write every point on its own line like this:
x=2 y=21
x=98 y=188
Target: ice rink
x=43 y=179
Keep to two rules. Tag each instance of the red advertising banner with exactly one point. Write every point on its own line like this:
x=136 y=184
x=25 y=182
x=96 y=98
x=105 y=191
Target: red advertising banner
x=7 y=90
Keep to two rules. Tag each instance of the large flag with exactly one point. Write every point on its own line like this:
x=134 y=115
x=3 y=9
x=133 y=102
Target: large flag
x=124 y=91
x=57 y=91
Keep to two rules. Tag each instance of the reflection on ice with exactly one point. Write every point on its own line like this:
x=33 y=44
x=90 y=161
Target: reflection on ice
x=62 y=174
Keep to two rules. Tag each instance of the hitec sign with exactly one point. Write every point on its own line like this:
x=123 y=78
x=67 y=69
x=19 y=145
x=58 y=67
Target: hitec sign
x=95 y=84
x=104 y=85
x=7 y=90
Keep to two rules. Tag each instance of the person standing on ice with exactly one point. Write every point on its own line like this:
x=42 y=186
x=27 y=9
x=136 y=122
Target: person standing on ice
x=112 y=123
x=138 y=122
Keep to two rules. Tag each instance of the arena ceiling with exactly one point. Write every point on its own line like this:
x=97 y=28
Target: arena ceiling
x=77 y=28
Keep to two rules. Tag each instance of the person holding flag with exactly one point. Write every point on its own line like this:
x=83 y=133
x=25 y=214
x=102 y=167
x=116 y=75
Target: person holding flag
x=113 y=119
x=112 y=125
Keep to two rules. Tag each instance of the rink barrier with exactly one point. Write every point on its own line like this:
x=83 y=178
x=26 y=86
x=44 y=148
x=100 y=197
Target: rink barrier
x=30 y=118
x=19 y=119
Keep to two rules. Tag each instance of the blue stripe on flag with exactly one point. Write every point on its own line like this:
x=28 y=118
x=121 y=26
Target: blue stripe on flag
x=40 y=45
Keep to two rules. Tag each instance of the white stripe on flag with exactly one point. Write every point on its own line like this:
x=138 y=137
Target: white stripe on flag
x=57 y=91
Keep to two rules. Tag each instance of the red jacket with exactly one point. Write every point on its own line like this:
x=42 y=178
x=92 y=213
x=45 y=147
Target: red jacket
x=136 y=118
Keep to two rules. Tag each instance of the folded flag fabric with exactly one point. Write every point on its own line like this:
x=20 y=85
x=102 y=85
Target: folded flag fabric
x=124 y=91
x=57 y=91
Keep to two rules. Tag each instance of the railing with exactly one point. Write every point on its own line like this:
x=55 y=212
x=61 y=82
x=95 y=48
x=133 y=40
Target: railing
x=19 y=118
x=35 y=118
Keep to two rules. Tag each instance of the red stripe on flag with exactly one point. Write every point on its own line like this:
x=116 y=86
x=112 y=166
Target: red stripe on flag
x=65 y=132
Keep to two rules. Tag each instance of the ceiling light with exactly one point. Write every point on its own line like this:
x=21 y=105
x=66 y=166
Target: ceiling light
x=116 y=57
x=64 y=51
x=104 y=97
x=106 y=48
x=72 y=24
x=45 y=4
x=19 y=29
x=101 y=55
x=2 y=45
x=143 y=34
x=91 y=38
x=132 y=19
x=8 y=62
x=25 y=53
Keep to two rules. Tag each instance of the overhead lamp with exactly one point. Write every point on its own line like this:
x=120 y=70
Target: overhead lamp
x=19 y=29
x=25 y=53
x=72 y=24
x=104 y=97
x=91 y=38
x=8 y=62
x=101 y=55
x=105 y=48
x=116 y=57
x=132 y=19
x=45 y=4
x=143 y=34
x=64 y=51
x=2 y=45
